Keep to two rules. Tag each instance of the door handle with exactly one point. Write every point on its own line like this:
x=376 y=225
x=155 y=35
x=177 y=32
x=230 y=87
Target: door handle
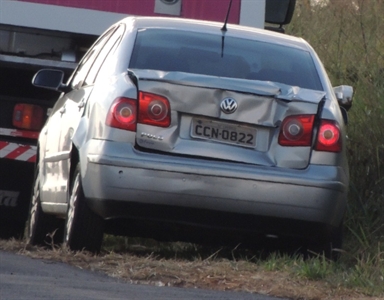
x=62 y=110
x=81 y=104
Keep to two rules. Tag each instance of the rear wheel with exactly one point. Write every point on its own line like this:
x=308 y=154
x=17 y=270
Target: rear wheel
x=335 y=243
x=83 y=229
x=42 y=229
x=331 y=245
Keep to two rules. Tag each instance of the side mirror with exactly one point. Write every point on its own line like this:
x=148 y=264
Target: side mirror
x=49 y=79
x=279 y=12
x=344 y=94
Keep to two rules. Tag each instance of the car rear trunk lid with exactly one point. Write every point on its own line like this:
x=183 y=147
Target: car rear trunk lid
x=201 y=127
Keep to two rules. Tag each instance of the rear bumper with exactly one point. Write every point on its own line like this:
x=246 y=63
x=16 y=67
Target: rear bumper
x=317 y=194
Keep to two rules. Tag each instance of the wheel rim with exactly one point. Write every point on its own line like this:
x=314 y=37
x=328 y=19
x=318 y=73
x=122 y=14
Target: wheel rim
x=71 y=208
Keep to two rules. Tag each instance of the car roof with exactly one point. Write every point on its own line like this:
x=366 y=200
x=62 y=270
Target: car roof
x=215 y=28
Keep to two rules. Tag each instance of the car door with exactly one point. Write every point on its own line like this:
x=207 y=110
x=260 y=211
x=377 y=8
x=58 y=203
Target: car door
x=62 y=124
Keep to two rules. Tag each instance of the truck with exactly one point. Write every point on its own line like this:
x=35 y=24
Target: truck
x=53 y=34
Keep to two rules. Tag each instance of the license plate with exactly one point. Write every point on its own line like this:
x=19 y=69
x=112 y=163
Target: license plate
x=223 y=132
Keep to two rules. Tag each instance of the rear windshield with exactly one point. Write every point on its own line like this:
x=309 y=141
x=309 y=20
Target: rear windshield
x=206 y=54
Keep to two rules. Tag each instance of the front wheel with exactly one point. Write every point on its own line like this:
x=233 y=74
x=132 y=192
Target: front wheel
x=83 y=229
x=42 y=229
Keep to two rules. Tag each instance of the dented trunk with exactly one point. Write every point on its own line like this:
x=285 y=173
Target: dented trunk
x=225 y=118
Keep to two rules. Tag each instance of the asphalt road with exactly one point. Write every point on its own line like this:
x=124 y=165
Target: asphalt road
x=22 y=278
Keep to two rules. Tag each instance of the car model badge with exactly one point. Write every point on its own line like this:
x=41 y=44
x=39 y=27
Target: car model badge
x=228 y=105
x=169 y=1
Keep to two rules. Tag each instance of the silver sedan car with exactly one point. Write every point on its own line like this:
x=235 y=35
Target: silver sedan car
x=180 y=130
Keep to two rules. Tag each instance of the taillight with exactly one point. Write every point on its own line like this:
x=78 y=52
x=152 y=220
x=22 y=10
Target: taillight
x=154 y=110
x=296 y=130
x=28 y=116
x=328 y=138
x=122 y=114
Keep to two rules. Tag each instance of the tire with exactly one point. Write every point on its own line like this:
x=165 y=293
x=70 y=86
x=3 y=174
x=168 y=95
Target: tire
x=83 y=228
x=335 y=244
x=332 y=244
x=41 y=228
x=11 y=229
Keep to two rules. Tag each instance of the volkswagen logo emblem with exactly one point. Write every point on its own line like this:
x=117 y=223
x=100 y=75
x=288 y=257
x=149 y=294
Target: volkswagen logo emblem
x=228 y=105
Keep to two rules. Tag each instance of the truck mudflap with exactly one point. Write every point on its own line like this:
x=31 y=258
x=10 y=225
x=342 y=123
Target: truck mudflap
x=15 y=193
x=17 y=161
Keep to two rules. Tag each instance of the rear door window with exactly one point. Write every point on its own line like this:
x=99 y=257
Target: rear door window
x=87 y=61
x=104 y=52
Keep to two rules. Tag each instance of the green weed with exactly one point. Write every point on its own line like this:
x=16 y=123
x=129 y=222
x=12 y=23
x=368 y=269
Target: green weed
x=347 y=35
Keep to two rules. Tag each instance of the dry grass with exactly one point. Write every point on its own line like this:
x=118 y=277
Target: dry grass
x=350 y=44
x=214 y=272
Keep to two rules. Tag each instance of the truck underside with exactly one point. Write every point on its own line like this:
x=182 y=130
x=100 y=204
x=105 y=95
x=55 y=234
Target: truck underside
x=24 y=109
